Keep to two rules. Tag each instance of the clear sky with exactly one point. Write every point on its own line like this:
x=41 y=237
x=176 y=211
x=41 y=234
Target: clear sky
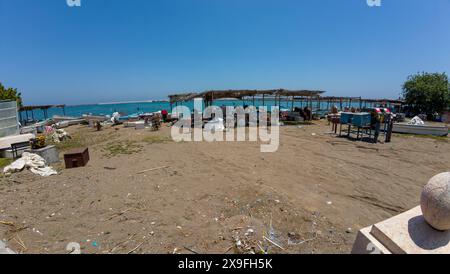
x=113 y=50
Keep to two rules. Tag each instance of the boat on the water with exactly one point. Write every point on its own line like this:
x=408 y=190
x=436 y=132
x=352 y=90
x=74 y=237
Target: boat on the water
x=420 y=129
x=58 y=118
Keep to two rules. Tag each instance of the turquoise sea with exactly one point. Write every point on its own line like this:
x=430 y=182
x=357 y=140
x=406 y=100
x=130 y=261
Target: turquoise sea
x=140 y=107
x=100 y=109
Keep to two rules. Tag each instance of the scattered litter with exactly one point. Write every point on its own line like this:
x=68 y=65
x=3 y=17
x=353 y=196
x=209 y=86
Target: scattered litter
x=416 y=121
x=290 y=242
x=274 y=243
x=121 y=243
x=60 y=135
x=20 y=242
x=152 y=169
x=249 y=232
x=118 y=214
x=228 y=249
x=37 y=231
x=35 y=163
x=329 y=203
x=191 y=250
x=313 y=134
x=176 y=250
x=136 y=248
x=7 y=223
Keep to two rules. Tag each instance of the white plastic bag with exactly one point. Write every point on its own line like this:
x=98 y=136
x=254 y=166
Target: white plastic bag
x=215 y=125
x=416 y=121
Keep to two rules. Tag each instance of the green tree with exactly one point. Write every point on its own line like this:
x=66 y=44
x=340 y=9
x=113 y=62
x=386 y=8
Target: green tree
x=427 y=93
x=10 y=94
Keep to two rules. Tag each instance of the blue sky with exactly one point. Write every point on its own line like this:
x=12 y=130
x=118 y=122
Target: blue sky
x=113 y=50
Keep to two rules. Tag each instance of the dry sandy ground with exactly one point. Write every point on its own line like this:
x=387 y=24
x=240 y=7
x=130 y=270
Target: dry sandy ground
x=311 y=196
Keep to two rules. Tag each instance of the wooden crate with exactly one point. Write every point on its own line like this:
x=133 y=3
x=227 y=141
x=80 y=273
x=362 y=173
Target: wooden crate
x=76 y=158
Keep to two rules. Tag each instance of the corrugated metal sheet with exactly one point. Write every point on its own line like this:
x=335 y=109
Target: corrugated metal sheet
x=9 y=122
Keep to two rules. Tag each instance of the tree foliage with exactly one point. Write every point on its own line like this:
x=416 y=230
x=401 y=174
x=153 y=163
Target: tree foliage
x=10 y=94
x=427 y=93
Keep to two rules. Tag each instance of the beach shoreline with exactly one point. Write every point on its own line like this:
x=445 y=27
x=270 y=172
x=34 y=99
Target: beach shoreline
x=314 y=194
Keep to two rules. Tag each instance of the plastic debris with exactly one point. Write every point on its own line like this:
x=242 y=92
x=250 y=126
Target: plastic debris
x=35 y=163
x=60 y=135
x=416 y=121
x=215 y=125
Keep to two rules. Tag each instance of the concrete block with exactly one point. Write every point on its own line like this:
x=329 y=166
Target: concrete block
x=409 y=233
x=367 y=244
x=49 y=153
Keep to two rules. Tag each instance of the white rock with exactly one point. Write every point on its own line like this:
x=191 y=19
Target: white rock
x=435 y=202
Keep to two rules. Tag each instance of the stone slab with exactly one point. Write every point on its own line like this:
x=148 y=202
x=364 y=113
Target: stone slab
x=409 y=233
x=5 y=142
x=367 y=244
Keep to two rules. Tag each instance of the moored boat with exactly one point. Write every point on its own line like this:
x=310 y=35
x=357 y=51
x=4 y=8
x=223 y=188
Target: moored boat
x=58 y=118
x=420 y=129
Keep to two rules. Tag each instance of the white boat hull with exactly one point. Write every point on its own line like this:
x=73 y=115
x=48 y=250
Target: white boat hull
x=57 y=118
x=421 y=129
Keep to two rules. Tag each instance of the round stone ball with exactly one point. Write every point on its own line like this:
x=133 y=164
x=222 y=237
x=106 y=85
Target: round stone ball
x=435 y=202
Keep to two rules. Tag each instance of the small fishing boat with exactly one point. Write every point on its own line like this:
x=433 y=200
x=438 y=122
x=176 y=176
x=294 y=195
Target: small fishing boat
x=420 y=129
x=95 y=118
x=58 y=118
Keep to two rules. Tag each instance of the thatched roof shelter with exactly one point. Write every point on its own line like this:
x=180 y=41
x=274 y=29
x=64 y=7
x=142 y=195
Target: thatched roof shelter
x=183 y=97
x=211 y=95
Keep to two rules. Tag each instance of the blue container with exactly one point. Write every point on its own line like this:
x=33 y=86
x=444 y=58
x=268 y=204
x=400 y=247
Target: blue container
x=346 y=117
x=361 y=119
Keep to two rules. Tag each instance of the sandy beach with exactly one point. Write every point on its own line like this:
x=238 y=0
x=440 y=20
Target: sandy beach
x=143 y=193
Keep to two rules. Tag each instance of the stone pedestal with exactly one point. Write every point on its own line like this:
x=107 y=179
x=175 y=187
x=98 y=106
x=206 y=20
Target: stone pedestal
x=49 y=153
x=407 y=233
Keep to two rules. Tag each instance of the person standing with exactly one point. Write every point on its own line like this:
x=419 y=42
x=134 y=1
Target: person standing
x=164 y=114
